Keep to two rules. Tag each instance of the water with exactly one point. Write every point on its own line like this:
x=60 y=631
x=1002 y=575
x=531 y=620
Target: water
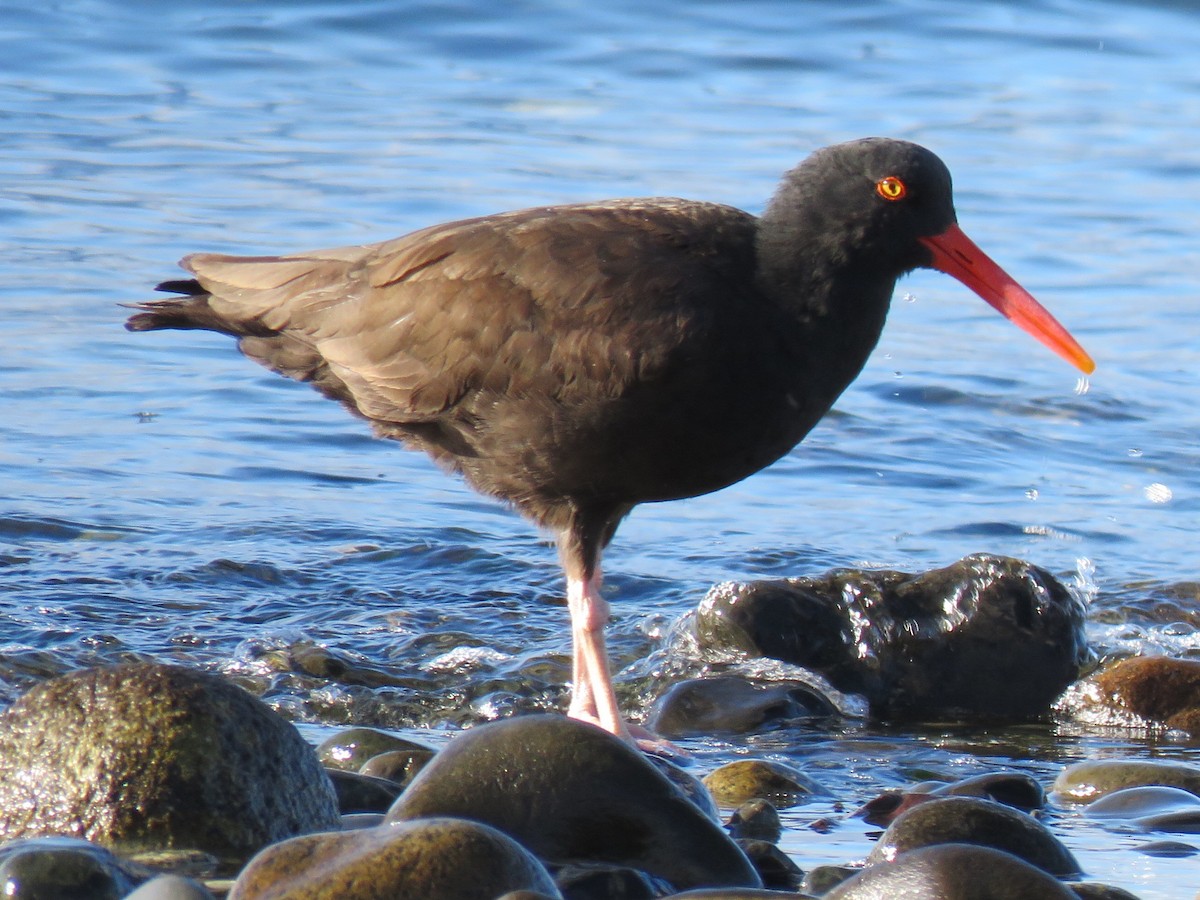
x=163 y=497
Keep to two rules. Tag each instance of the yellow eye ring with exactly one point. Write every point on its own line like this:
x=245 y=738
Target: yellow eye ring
x=891 y=188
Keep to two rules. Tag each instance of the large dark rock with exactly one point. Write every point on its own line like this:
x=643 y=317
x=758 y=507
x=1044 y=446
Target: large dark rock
x=571 y=792
x=147 y=756
x=429 y=859
x=988 y=637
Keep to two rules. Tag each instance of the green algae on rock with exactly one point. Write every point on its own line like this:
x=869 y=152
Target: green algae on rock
x=148 y=756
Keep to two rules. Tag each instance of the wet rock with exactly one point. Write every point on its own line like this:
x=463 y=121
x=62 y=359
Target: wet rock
x=693 y=788
x=399 y=766
x=1153 y=808
x=1015 y=789
x=1131 y=803
x=988 y=637
x=1093 y=891
x=738 y=894
x=571 y=792
x=1168 y=849
x=756 y=819
x=605 y=882
x=968 y=820
x=171 y=887
x=774 y=866
x=429 y=858
x=746 y=779
x=1091 y=779
x=357 y=793
x=732 y=704
x=1160 y=690
x=353 y=748
x=952 y=872
x=820 y=880
x=62 y=869
x=148 y=756
x=885 y=808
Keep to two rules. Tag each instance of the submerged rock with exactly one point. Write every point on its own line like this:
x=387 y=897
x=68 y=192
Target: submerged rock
x=419 y=860
x=148 y=756
x=734 y=705
x=571 y=792
x=987 y=637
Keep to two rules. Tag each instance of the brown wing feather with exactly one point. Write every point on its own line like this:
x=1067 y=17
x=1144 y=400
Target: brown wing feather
x=532 y=302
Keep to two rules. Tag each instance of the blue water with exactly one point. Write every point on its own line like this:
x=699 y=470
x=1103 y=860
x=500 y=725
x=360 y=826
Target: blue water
x=163 y=497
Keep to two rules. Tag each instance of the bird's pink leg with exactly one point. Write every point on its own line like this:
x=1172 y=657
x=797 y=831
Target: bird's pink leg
x=592 y=696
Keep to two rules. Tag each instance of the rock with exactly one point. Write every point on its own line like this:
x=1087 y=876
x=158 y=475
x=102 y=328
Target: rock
x=1094 y=891
x=884 y=808
x=148 y=756
x=399 y=766
x=1160 y=690
x=952 y=872
x=738 y=894
x=756 y=819
x=734 y=705
x=746 y=779
x=988 y=637
x=693 y=788
x=358 y=793
x=171 y=887
x=1015 y=789
x=775 y=867
x=1131 y=803
x=1091 y=779
x=606 y=882
x=421 y=860
x=968 y=820
x=353 y=748
x=63 y=869
x=820 y=880
x=573 y=793
x=1152 y=808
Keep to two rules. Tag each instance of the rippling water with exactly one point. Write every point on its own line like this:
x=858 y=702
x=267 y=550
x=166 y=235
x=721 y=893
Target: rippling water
x=161 y=496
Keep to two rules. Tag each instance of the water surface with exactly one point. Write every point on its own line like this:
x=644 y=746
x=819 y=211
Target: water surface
x=162 y=497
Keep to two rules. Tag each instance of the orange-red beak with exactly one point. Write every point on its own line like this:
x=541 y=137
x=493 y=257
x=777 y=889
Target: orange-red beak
x=957 y=255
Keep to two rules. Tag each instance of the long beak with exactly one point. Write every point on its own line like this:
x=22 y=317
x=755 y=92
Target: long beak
x=957 y=255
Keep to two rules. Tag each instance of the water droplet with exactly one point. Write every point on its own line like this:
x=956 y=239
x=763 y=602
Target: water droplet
x=1134 y=452
x=1083 y=385
x=1032 y=493
x=909 y=298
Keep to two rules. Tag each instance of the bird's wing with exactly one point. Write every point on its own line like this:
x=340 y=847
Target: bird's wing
x=558 y=302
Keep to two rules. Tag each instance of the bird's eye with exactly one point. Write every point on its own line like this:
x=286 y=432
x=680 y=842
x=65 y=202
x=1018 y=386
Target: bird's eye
x=891 y=188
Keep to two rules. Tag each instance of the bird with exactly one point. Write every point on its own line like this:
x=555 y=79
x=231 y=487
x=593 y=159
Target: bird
x=574 y=361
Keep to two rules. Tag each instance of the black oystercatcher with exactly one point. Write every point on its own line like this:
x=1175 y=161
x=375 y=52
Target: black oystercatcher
x=577 y=360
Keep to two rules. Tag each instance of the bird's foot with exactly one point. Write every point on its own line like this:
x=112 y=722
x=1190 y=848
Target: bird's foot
x=635 y=735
